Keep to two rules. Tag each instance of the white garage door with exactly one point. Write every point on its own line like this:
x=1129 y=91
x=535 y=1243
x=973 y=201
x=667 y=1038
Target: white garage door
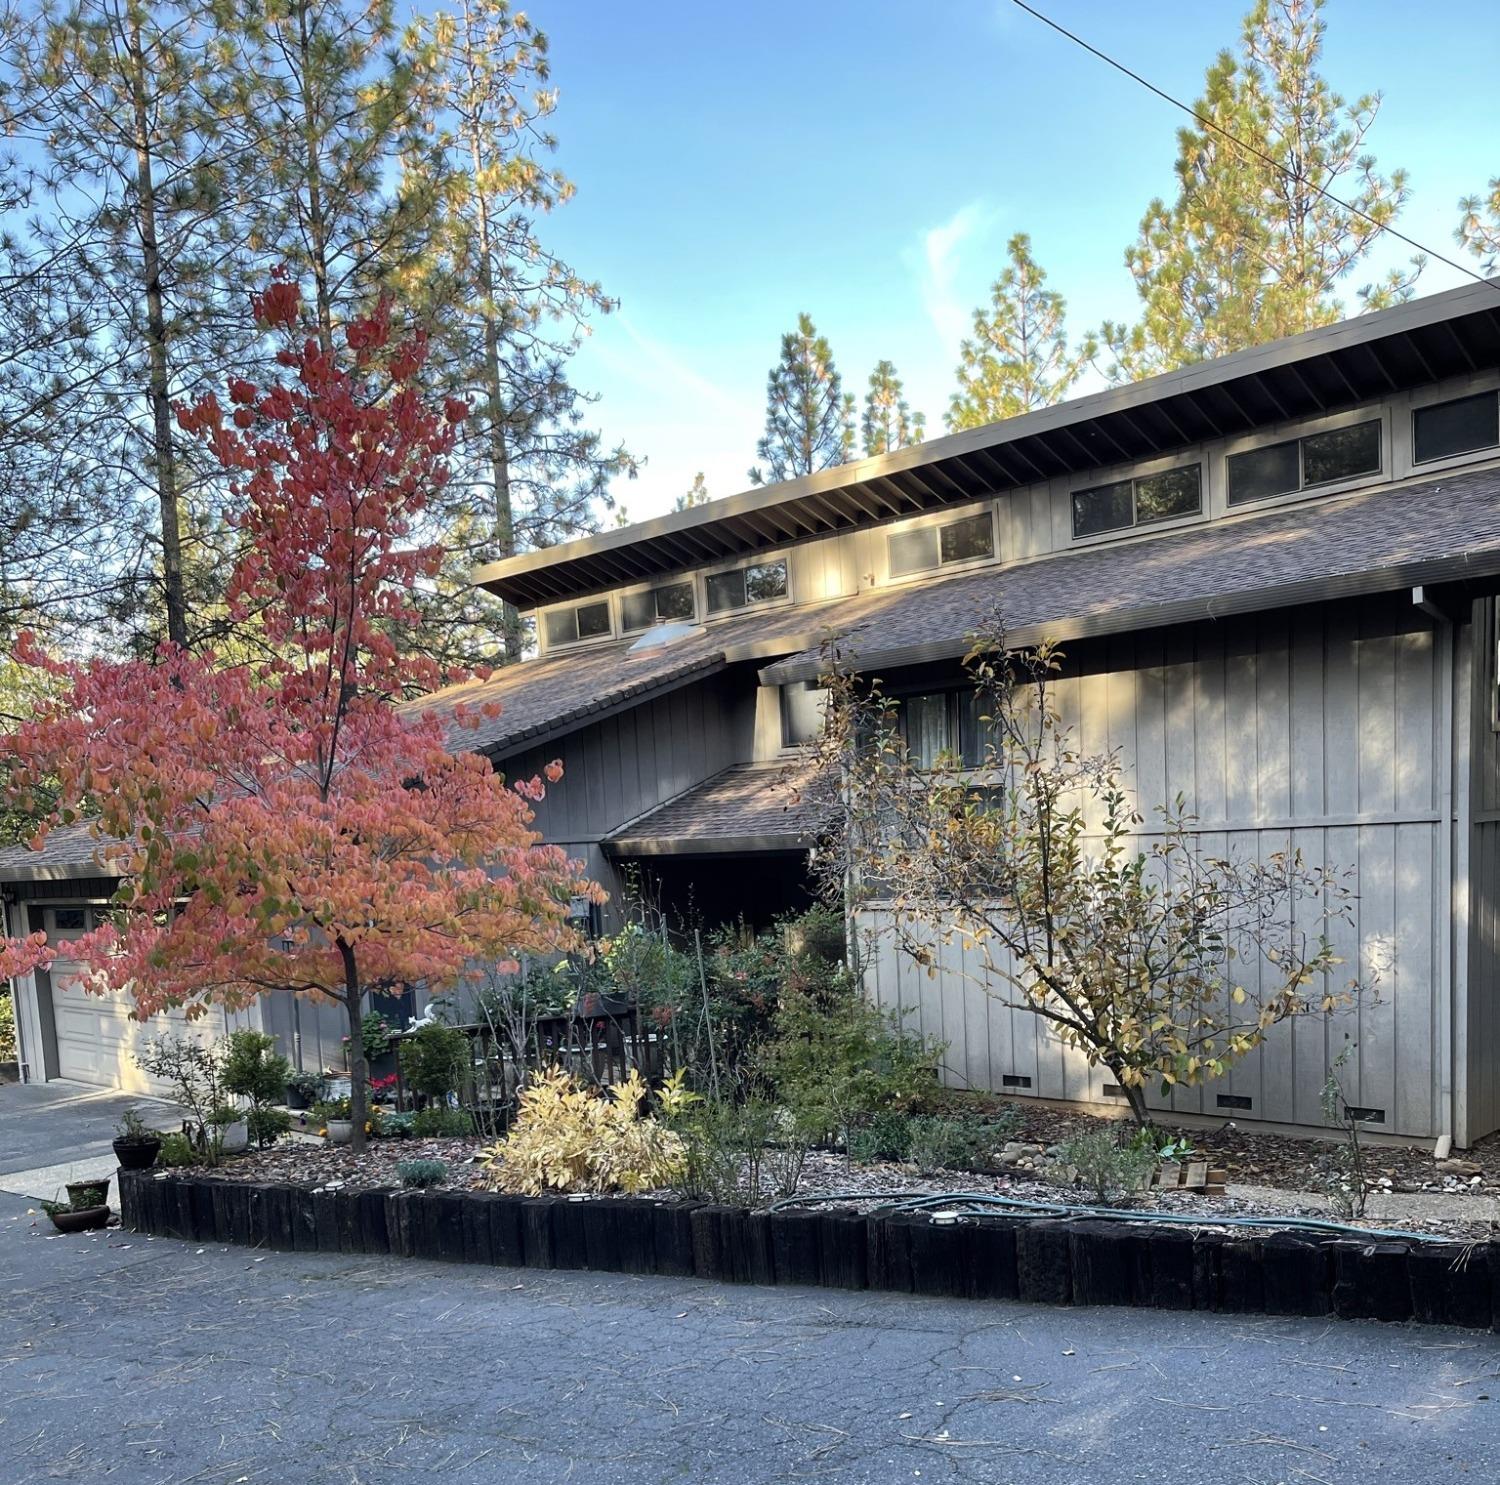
x=97 y=1041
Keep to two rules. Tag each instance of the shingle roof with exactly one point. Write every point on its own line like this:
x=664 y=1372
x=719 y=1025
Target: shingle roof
x=68 y=851
x=542 y=697
x=747 y=807
x=1419 y=532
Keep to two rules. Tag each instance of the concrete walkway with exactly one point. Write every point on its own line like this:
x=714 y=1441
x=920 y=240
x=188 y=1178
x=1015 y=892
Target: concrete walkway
x=53 y=1133
x=152 y=1362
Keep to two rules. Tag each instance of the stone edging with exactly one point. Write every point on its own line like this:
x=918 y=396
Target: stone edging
x=1039 y=1260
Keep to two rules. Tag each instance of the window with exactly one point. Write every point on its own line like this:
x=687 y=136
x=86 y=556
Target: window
x=1302 y=463
x=803 y=709
x=952 y=722
x=1138 y=502
x=761 y=582
x=927 y=731
x=642 y=610
x=926 y=547
x=1457 y=427
x=566 y=626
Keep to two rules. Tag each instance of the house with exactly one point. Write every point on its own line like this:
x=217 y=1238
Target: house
x=1274 y=578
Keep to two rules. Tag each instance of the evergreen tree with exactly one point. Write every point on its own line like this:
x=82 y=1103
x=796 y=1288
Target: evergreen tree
x=695 y=494
x=1479 y=227
x=505 y=311
x=126 y=260
x=1254 y=246
x=809 y=418
x=888 y=423
x=1019 y=357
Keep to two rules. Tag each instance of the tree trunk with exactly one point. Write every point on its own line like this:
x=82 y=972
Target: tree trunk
x=159 y=387
x=497 y=432
x=359 y=1110
x=1135 y=1096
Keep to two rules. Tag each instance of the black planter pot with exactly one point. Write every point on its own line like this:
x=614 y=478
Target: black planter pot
x=137 y=1154
x=297 y=1098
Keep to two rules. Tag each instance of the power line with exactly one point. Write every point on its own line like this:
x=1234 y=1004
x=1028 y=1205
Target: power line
x=1251 y=149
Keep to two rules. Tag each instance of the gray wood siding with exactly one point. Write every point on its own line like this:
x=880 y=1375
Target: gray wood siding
x=616 y=769
x=1482 y=1027
x=1318 y=728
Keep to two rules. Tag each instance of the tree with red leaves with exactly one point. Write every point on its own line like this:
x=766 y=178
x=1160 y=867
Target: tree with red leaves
x=284 y=825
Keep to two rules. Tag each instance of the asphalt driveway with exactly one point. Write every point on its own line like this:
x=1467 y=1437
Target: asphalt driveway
x=49 y=1128
x=148 y=1360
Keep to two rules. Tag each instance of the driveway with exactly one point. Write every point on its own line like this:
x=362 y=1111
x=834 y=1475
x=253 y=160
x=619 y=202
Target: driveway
x=153 y=1362
x=51 y=1133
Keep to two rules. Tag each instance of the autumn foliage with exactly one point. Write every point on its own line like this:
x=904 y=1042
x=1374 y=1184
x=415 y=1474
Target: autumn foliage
x=284 y=823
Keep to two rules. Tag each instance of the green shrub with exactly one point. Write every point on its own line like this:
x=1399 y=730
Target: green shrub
x=887 y=1135
x=433 y=1059
x=437 y=1122
x=266 y=1126
x=398 y=1126
x=1111 y=1169
x=375 y=1034
x=7 y=1027
x=176 y=1149
x=740 y=1154
x=418 y=1175
x=939 y=1143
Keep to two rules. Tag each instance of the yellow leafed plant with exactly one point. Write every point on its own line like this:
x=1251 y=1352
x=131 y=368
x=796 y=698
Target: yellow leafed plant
x=568 y=1138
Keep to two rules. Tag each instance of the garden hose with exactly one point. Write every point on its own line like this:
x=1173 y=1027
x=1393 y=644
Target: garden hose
x=920 y=1201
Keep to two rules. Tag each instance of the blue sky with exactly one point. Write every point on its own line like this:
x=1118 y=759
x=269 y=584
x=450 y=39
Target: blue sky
x=867 y=161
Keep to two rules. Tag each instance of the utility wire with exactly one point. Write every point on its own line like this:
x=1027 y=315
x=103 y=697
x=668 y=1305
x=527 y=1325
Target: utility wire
x=1250 y=148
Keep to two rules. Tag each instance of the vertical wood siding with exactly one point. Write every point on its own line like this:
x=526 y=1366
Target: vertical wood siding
x=1315 y=728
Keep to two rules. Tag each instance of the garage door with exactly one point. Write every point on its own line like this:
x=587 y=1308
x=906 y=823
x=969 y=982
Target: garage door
x=97 y=1041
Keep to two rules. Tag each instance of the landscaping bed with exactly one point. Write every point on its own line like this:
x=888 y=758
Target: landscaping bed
x=1079 y=1262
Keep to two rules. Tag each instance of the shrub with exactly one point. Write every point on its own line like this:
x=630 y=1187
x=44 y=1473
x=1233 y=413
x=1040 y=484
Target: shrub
x=254 y=1070
x=433 y=1059
x=437 y=1122
x=566 y=1138
x=176 y=1149
x=886 y=1136
x=418 y=1175
x=740 y=1154
x=375 y=1035
x=1109 y=1168
x=398 y=1126
x=939 y=1143
x=7 y=1027
x=195 y=1071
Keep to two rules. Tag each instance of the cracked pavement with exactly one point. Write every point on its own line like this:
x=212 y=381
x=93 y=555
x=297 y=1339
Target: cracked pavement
x=130 y=1359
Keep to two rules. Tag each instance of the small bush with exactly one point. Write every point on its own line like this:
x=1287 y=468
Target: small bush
x=437 y=1122
x=951 y=1144
x=176 y=1149
x=740 y=1154
x=433 y=1059
x=567 y=1138
x=399 y=1126
x=418 y=1175
x=266 y=1126
x=886 y=1136
x=1110 y=1169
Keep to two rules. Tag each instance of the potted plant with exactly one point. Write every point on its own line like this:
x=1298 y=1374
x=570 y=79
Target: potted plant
x=256 y=1072
x=377 y=1036
x=84 y=1195
x=331 y=1118
x=136 y=1146
x=68 y=1218
x=303 y=1089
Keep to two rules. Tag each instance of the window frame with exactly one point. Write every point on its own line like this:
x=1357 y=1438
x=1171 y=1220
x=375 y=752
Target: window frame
x=935 y=522
x=1133 y=474
x=626 y=594
x=544 y=642
x=1294 y=432
x=768 y=559
x=1471 y=387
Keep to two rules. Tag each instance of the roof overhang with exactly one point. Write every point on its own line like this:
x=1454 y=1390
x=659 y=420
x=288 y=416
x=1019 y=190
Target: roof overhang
x=1320 y=371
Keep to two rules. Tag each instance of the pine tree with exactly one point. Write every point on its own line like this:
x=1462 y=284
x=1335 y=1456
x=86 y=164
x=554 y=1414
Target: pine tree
x=1019 y=357
x=695 y=494
x=809 y=418
x=1478 y=229
x=121 y=102
x=506 y=312
x=1255 y=248
x=888 y=423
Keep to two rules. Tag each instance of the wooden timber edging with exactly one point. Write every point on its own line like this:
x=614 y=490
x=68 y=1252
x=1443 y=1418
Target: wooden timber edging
x=1041 y=1260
